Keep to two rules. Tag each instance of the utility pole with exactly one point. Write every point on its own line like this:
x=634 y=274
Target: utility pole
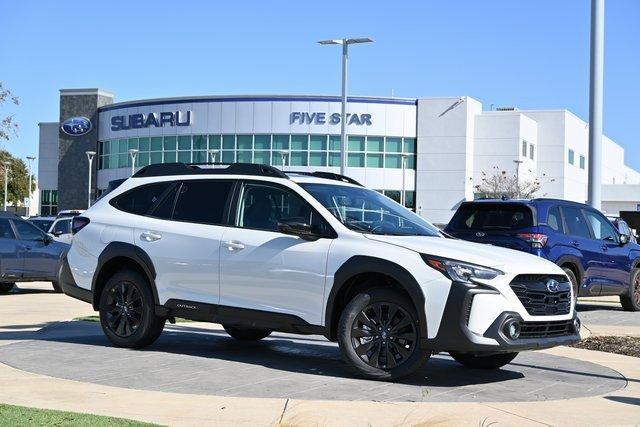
x=6 y=180
x=30 y=159
x=594 y=198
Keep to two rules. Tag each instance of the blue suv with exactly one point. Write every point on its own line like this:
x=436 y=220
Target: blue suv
x=597 y=258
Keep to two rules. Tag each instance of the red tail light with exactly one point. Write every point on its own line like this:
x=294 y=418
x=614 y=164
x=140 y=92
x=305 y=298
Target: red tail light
x=536 y=240
x=78 y=223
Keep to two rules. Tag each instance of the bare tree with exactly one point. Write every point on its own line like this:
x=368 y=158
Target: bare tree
x=7 y=126
x=500 y=184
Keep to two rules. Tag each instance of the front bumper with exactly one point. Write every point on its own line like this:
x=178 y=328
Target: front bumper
x=455 y=335
x=68 y=284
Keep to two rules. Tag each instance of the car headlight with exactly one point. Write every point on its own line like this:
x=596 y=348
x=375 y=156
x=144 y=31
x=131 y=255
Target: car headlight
x=461 y=271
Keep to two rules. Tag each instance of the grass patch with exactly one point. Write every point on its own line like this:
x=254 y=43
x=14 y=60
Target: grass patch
x=97 y=319
x=22 y=416
x=628 y=346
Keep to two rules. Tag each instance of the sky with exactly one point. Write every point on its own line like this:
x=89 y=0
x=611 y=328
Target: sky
x=531 y=54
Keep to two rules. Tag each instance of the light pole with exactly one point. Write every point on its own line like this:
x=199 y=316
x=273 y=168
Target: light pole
x=343 y=115
x=213 y=153
x=518 y=163
x=90 y=155
x=283 y=154
x=6 y=180
x=594 y=181
x=403 y=159
x=133 y=152
x=30 y=159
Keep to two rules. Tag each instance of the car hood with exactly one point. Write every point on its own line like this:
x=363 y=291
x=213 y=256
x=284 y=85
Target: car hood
x=474 y=253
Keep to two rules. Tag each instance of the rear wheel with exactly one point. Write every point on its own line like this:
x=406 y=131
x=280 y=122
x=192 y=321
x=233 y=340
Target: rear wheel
x=127 y=311
x=6 y=287
x=631 y=300
x=379 y=335
x=574 y=282
x=480 y=361
x=246 y=334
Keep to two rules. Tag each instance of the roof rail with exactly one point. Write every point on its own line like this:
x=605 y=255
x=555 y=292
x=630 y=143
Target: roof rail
x=168 y=169
x=328 y=175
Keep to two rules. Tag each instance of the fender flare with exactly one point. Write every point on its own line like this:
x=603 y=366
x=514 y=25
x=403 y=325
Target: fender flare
x=135 y=254
x=366 y=264
x=575 y=261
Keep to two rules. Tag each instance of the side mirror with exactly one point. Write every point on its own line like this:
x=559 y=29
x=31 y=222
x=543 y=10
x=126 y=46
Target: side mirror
x=624 y=239
x=57 y=233
x=46 y=239
x=297 y=227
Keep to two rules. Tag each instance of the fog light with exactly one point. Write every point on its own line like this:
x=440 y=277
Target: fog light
x=512 y=329
x=576 y=325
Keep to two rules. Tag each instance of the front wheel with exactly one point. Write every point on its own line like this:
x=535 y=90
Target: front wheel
x=480 y=361
x=631 y=300
x=574 y=283
x=379 y=335
x=6 y=287
x=246 y=334
x=127 y=311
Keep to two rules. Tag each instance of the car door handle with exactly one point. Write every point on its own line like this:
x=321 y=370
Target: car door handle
x=233 y=245
x=575 y=243
x=150 y=236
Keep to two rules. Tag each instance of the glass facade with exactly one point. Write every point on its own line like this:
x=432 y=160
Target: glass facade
x=301 y=150
x=48 y=202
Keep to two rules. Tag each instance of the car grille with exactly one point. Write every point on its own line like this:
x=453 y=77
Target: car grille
x=546 y=329
x=538 y=299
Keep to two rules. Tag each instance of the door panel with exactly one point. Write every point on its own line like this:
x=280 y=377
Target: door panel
x=11 y=253
x=40 y=258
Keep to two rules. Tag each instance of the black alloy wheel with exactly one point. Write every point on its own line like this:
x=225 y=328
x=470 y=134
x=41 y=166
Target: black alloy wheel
x=124 y=309
x=384 y=335
x=631 y=300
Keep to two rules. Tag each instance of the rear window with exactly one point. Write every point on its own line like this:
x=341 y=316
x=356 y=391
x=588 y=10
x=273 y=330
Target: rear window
x=491 y=217
x=140 y=199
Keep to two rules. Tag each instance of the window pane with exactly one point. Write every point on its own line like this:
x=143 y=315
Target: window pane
x=244 y=156
x=334 y=142
x=184 y=156
x=393 y=161
x=228 y=156
x=374 y=160
x=123 y=160
x=156 y=143
x=318 y=142
x=169 y=143
x=299 y=142
x=184 y=143
x=144 y=144
x=245 y=142
x=142 y=159
x=280 y=142
x=262 y=142
x=164 y=207
x=601 y=227
x=531 y=151
x=393 y=195
x=27 y=231
x=356 y=143
x=202 y=201
x=334 y=159
x=410 y=199
x=261 y=157
x=355 y=160
x=554 y=220
x=113 y=149
x=214 y=142
x=410 y=162
x=393 y=145
x=133 y=143
x=317 y=159
x=571 y=155
x=375 y=144
x=5 y=230
x=200 y=156
x=123 y=146
x=582 y=162
x=409 y=145
x=169 y=157
x=576 y=224
x=105 y=145
x=199 y=142
x=229 y=142
x=524 y=148
x=141 y=199
x=298 y=158
x=155 y=157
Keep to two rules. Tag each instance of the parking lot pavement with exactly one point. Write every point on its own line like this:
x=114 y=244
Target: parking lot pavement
x=196 y=375
x=605 y=316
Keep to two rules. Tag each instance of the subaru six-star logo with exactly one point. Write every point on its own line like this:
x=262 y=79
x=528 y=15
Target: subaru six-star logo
x=76 y=126
x=553 y=285
x=479 y=234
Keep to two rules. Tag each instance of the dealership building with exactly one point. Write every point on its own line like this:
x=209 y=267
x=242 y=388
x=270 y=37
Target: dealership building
x=437 y=149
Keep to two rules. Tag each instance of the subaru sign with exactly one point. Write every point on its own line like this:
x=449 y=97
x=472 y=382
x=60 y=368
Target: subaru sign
x=139 y=121
x=76 y=126
x=320 y=118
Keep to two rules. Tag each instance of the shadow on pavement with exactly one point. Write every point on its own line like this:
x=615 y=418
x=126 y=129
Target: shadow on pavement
x=622 y=399
x=583 y=307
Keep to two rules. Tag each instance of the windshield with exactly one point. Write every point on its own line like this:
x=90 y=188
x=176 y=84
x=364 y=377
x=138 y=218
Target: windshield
x=491 y=217
x=42 y=224
x=367 y=211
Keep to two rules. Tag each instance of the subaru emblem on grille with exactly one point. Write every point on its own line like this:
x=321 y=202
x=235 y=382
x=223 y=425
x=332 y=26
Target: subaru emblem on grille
x=479 y=234
x=553 y=285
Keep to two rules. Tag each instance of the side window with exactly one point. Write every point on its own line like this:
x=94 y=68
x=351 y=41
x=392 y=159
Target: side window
x=262 y=206
x=601 y=227
x=164 y=208
x=202 y=201
x=141 y=199
x=6 y=232
x=576 y=223
x=27 y=231
x=62 y=226
x=554 y=220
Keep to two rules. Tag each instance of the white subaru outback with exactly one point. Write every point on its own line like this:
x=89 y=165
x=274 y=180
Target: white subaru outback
x=258 y=250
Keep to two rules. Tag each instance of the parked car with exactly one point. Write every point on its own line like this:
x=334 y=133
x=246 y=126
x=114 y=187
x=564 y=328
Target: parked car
x=27 y=253
x=258 y=251
x=43 y=222
x=598 y=259
x=623 y=228
x=60 y=230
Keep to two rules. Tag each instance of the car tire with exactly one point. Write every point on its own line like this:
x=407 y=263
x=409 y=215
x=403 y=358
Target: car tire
x=574 y=283
x=56 y=287
x=480 y=361
x=631 y=300
x=379 y=335
x=246 y=334
x=6 y=287
x=127 y=311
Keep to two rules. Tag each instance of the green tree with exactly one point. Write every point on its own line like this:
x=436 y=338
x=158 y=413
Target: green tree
x=7 y=125
x=18 y=182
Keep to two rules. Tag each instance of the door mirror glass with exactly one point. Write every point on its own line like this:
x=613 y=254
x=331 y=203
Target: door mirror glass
x=297 y=227
x=624 y=239
x=57 y=233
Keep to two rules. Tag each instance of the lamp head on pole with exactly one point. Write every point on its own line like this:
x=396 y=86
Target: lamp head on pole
x=347 y=41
